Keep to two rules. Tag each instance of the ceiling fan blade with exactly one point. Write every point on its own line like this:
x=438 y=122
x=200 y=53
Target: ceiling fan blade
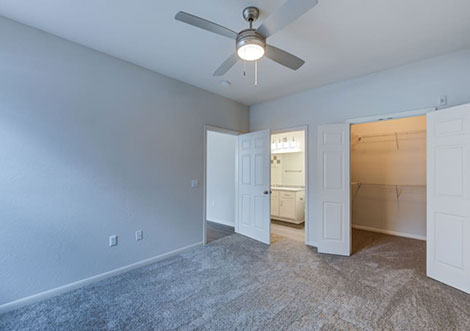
x=285 y=15
x=205 y=24
x=282 y=57
x=226 y=65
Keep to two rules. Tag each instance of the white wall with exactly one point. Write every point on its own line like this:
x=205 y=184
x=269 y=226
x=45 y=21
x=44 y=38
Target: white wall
x=92 y=146
x=413 y=86
x=283 y=161
x=290 y=170
x=381 y=169
x=378 y=160
x=221 y=152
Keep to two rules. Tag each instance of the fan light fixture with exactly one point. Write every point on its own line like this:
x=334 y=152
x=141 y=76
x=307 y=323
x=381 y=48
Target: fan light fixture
x=250 y=44
x=250 y=52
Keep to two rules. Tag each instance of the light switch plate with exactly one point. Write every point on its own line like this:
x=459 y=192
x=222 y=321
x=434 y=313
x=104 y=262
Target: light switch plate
x=112 y=240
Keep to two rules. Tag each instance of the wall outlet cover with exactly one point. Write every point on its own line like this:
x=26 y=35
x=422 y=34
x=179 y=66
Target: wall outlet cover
x=194 y=183
x=112 y=240
x=139 y=235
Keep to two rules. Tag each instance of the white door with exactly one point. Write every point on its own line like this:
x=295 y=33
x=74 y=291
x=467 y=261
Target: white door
x=254 y=181
x=333 y=181
x=448 y=196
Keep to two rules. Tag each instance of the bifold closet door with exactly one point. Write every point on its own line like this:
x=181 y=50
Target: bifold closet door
x=254 y=185
x=448 y=196
x=334 y=187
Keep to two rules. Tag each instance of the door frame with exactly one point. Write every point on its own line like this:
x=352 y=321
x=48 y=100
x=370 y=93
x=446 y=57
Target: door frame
x=303 y=128
x=378 y=118
x=212 y=128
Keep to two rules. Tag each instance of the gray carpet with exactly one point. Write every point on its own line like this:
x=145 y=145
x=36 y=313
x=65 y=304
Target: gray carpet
x=237 y=283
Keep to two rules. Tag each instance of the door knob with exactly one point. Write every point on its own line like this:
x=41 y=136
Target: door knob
x=266 y=192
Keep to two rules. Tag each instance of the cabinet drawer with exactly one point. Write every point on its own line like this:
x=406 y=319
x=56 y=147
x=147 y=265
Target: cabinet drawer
x=287 y=195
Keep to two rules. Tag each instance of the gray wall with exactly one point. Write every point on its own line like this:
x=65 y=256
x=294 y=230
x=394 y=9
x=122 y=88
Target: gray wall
x=221 y=158
x=92 y=146
x=410 y=87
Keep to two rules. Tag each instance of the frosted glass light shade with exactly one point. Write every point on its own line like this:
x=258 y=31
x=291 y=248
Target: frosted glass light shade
x=250 y=52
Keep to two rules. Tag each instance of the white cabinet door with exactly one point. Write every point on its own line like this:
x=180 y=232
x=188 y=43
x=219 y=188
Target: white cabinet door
x=254 y=182
x=448 y=196
x=333 y=181
x=274 y=206
x=287 y=208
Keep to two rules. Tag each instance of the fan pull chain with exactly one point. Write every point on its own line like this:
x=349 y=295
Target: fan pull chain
x=256 y=73
x=244 y=68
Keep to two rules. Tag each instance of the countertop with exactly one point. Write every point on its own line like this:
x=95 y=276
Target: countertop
x=291 y=189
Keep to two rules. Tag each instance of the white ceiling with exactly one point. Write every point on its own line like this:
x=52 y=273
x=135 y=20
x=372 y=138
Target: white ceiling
x=338 y=39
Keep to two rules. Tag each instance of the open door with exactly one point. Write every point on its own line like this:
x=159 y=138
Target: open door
x=333 y=166
x=254 y=185
x=448 y=196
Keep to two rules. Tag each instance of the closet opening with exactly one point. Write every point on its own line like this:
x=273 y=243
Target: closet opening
x=288 y=189
x=388 y=180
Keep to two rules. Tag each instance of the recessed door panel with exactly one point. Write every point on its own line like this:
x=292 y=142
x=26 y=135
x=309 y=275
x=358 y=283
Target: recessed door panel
x=259 y=206
x=449 y=170
x=246 y=169
x=448 y=233
x=333 y=170
x=259 y=169
x=333 y=221
x=245 y=208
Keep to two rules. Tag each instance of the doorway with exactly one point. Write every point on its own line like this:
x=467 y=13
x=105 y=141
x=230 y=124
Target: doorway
x=219 y=183
x=388 y=180
x=288 y=185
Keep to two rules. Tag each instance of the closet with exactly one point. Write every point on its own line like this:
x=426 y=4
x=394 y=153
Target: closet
x=388 y=177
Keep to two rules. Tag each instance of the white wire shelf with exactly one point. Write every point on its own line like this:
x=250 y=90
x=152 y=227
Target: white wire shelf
x=396 y=136
x=398 y=188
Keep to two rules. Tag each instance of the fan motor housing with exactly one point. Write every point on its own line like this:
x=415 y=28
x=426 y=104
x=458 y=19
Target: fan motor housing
x=250 y=37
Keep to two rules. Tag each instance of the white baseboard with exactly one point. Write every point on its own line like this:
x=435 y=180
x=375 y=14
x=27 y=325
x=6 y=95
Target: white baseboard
x=83 y=282
x=220 y=221
x=392 y=233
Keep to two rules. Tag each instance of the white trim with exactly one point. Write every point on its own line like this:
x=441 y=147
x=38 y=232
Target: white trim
x=392 y=233
x=391 y=116
x=311 y=243
x=83 y=282
x=306 y=167
x=220 y=221
x=204 y=180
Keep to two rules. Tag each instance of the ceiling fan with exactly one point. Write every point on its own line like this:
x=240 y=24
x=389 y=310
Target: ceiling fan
x=250 y=44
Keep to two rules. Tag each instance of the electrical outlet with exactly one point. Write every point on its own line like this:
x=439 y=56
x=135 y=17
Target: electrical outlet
x=112 y=240
x=194 y=183
x=139 y=235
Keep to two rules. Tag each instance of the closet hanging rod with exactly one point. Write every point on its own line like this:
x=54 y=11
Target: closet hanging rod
x=394 y=134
